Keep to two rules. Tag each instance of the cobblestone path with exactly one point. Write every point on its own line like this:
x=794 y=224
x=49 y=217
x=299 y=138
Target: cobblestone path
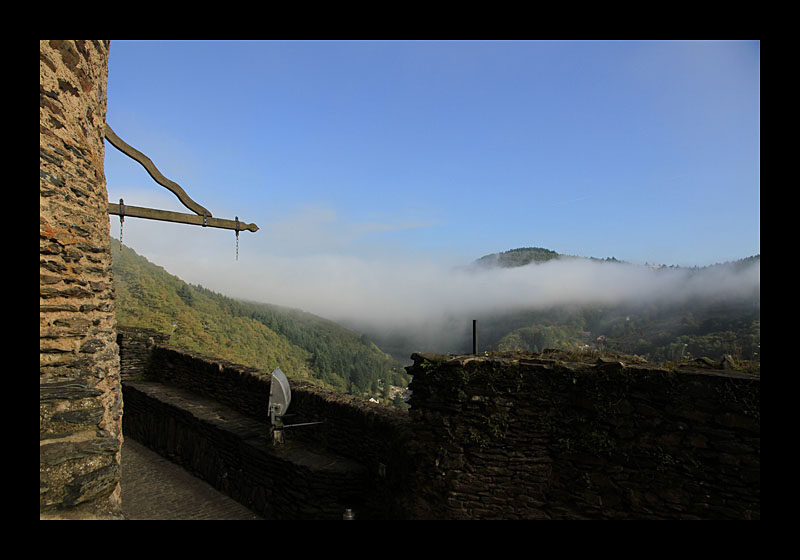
x=154 y=488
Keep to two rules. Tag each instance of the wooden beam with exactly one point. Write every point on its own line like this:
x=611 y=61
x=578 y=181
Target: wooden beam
x=178 y=217
x=153 y=171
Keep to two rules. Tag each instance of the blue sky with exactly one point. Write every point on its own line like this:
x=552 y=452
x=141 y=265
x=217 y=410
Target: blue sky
x=440 y=150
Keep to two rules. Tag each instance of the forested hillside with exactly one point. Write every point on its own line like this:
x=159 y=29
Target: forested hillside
x=263 y=336
x=658 y=331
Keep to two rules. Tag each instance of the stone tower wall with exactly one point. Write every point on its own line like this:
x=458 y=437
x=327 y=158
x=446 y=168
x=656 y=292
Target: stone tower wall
x=79 y=377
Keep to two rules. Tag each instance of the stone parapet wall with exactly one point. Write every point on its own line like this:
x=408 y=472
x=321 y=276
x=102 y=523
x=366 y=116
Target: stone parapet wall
x=371 y=434
x=510 y=437
x=352 y=426
x=80 y=398
x=235 y=454
x=135 y=345
x=536 y=438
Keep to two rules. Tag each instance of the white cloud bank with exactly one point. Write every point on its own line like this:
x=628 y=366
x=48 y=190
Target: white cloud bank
x=424 y=296
x=413 y=293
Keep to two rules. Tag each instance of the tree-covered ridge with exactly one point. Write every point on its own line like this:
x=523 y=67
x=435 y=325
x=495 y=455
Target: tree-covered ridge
x=526 y=255
x=263 y=336
x=518 y=257
x=657 y=331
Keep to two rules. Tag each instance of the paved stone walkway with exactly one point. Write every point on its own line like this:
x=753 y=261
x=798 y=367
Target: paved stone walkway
x=154 y=488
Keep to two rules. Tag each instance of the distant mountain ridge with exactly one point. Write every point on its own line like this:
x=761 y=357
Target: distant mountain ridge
x=523 y=256
x=709 y=327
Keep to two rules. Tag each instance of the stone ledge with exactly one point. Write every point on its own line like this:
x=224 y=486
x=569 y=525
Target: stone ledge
x=235 y=454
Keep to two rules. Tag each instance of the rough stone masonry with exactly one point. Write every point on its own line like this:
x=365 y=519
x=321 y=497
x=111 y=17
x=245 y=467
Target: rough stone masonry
x=80 y=398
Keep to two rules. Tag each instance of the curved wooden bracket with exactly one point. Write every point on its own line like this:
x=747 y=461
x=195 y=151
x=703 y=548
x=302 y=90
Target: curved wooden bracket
x=176 y=189
x=203 y=217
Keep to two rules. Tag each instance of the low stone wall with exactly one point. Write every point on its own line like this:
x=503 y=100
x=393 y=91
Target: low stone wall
x=353 y=431
x=135 y=345
x=351 y=426
x=501 y=437
x=235 y=454
x=511 y=438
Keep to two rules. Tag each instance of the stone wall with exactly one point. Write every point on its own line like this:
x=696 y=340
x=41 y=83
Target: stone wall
x=351 y=426
x=135 y=345
x=353 y=431
x=79 y=384
x=235 y=454
x=514 y=437
x=538 y=438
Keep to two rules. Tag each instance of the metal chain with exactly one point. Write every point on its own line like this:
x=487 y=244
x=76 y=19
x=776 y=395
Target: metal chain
x=121 y=220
